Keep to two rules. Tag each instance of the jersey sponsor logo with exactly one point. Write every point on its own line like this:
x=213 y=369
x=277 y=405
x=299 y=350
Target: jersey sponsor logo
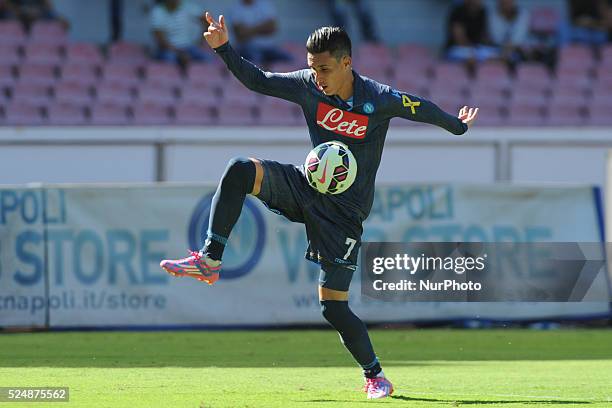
x=344 y=123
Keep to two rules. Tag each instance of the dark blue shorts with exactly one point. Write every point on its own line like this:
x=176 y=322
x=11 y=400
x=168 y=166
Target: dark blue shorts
x=333 y=232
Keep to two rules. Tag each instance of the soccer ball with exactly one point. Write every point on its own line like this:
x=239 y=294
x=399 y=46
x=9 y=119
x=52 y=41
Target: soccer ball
x=330 y=168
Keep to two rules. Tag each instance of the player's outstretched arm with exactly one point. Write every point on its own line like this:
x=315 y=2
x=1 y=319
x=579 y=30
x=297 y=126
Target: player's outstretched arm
x=407 y=106
x=287 y=86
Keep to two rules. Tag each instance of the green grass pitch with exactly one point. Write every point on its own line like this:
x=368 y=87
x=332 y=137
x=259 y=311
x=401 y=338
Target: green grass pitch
x=429 y=368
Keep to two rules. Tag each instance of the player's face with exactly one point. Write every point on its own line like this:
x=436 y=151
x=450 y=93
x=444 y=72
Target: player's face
x=330 y=73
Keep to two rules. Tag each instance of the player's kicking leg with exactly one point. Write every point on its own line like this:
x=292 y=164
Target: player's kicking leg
x=241 y=177
x=333 y=295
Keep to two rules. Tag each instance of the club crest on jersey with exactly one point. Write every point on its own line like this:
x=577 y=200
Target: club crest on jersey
x=344 y=123
x=368 y=108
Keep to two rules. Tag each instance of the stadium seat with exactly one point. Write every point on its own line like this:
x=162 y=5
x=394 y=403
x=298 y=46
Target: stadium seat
x=147 y=113
x=40 y=53
x=532 y=76
x=127 y=53
x=163 y=72
x=77 y=72
x=193 y=114
x=413 y=51
x=48 y=32
x=66 y=114
x=37 y=74
x=606 y=56
x=600 y=115
x=158 y=94
x=74 y=93
x=450 y=103
x=84 y=53
x=296 y=50
x=450 y=72
x=278 y=115
x=31 y=93
x=11 y=32
x=237 y=94
x=234 y=115
x=482 y=97
x=7 y=78
x=200 y=94
x=520 y=114
x=10 y=55
x=206 y=74
x=566 y=112
x=576 y=58
x=114 y=93
x=124 y=74
x=108 y=114
x=489 y=116
x=23 y=114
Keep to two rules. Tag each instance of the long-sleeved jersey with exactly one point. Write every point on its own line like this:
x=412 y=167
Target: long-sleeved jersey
x=363 y=127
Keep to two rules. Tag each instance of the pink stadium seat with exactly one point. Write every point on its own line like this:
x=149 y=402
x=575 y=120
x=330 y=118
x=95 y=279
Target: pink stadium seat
x=48 y=32
x=75 y=93
x=66 y=114
x=193 y=114
x=525 y=115
x=413 y=51
x=490 y=117
x=447 y=88
x=23 y=114
x=7 y=79
x=114 y=93
x=413 y=84
x=544 y=20
x=109 y=114
x=9 y=55
x=449 y=103
x=40 y=53
x=84 y=53
x=606 y=56
x=376 y=53
x=201 y=73
x=600 y=115
x=603 y=78
x=11 y=32
x=80 y=73
x=486 y=98
x=566 y=112
x=124 y=74
x=159 y=95
x=533 y=76
x=233 y=115
x=37 y=73
x=450 y=72
x=201 y=95
x=150 y=113
x=579 y=56
x=602 y=99
x=493 y=71
x=239 y=96
x=159 y=71
x=279 y=115
x=31 y=93
x=126 y=52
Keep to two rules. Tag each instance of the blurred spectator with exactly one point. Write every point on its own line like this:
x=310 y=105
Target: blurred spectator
x=468 y=37
x=116 y=20
x=177 y=29
x=7 y=10
x=509 y=29
x=339 y=18
x=30 y=11
x=255 y=24
x=587 y=22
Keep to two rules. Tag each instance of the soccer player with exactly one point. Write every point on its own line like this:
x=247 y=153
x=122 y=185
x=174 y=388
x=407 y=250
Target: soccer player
x=339 y=104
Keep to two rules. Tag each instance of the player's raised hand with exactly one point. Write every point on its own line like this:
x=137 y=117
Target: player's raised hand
x=468 y=115
x=217 y=34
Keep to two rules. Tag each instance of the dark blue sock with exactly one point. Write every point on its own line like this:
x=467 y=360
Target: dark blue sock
x=226 y=206
x=353 y=333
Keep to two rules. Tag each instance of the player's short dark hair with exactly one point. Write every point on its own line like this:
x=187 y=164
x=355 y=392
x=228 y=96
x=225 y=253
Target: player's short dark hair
x=332 y=39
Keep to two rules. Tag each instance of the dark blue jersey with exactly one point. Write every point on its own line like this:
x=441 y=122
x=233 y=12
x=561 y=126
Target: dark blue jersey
x=363 y=127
